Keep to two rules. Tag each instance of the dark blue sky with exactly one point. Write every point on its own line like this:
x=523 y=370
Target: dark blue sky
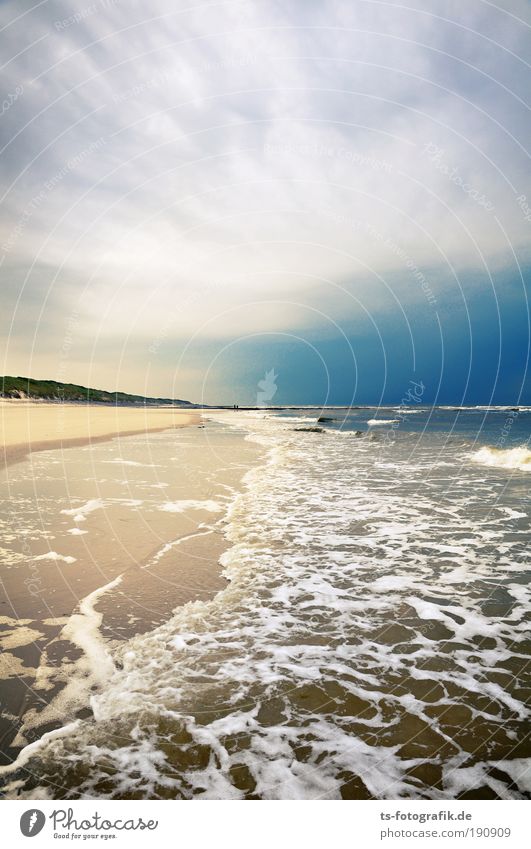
x=470 y=349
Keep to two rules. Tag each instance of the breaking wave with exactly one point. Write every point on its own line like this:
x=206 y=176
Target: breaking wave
x=381 y=421
x=508 y=458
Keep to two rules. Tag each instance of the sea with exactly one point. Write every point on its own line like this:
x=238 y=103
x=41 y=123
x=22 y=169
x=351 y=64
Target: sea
x=372 y=641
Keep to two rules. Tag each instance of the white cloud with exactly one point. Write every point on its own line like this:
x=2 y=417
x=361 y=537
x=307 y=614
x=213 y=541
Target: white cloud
x=255 y=150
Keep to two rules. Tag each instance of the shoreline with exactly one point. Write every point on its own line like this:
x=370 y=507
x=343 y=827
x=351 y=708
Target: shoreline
x=130 y=568
x=50 y=426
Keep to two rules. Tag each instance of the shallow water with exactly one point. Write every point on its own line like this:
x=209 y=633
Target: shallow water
x=96 y=545
x=373 y=640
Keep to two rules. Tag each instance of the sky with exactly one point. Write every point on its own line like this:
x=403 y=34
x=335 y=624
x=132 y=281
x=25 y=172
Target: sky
x=334 y=193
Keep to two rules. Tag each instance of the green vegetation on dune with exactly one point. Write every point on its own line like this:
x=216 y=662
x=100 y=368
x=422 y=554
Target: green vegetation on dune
x=51 y=390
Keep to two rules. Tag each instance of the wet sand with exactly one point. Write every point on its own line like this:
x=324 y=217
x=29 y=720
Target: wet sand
x=97 y=544
x=27 y=426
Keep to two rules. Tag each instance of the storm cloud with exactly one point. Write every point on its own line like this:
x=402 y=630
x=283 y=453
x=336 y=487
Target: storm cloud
x=178 y=177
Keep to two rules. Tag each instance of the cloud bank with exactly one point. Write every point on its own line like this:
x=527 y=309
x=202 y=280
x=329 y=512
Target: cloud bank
x=181 y=174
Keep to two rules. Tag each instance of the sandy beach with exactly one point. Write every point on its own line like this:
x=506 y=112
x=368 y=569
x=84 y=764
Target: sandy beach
x=113 y=520
x=26 y=427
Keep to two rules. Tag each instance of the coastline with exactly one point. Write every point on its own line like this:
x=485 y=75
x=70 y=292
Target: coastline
x=121 y=570
x=135 y=674
x=29 y=427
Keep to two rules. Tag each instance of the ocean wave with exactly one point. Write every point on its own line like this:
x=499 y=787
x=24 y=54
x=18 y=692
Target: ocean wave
x=381 y=421
x=504 y=458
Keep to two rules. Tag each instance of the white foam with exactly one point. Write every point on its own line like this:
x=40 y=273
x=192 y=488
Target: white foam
x=347 y=579
x=508 y=458
x=120 y=461
x=94 y=667
x=12 y=666
x=83 y=630
x=183 y=506
x=53 y=555
x=80 y=513
x=373 y=422
x=462 y=779
x=519 y=770
x=169 y=546
x=32 y=748
x=18 y=637
x=9 y=620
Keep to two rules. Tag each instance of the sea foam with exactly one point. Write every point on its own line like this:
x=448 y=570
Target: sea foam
x=508 y=458
x=364 y=644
